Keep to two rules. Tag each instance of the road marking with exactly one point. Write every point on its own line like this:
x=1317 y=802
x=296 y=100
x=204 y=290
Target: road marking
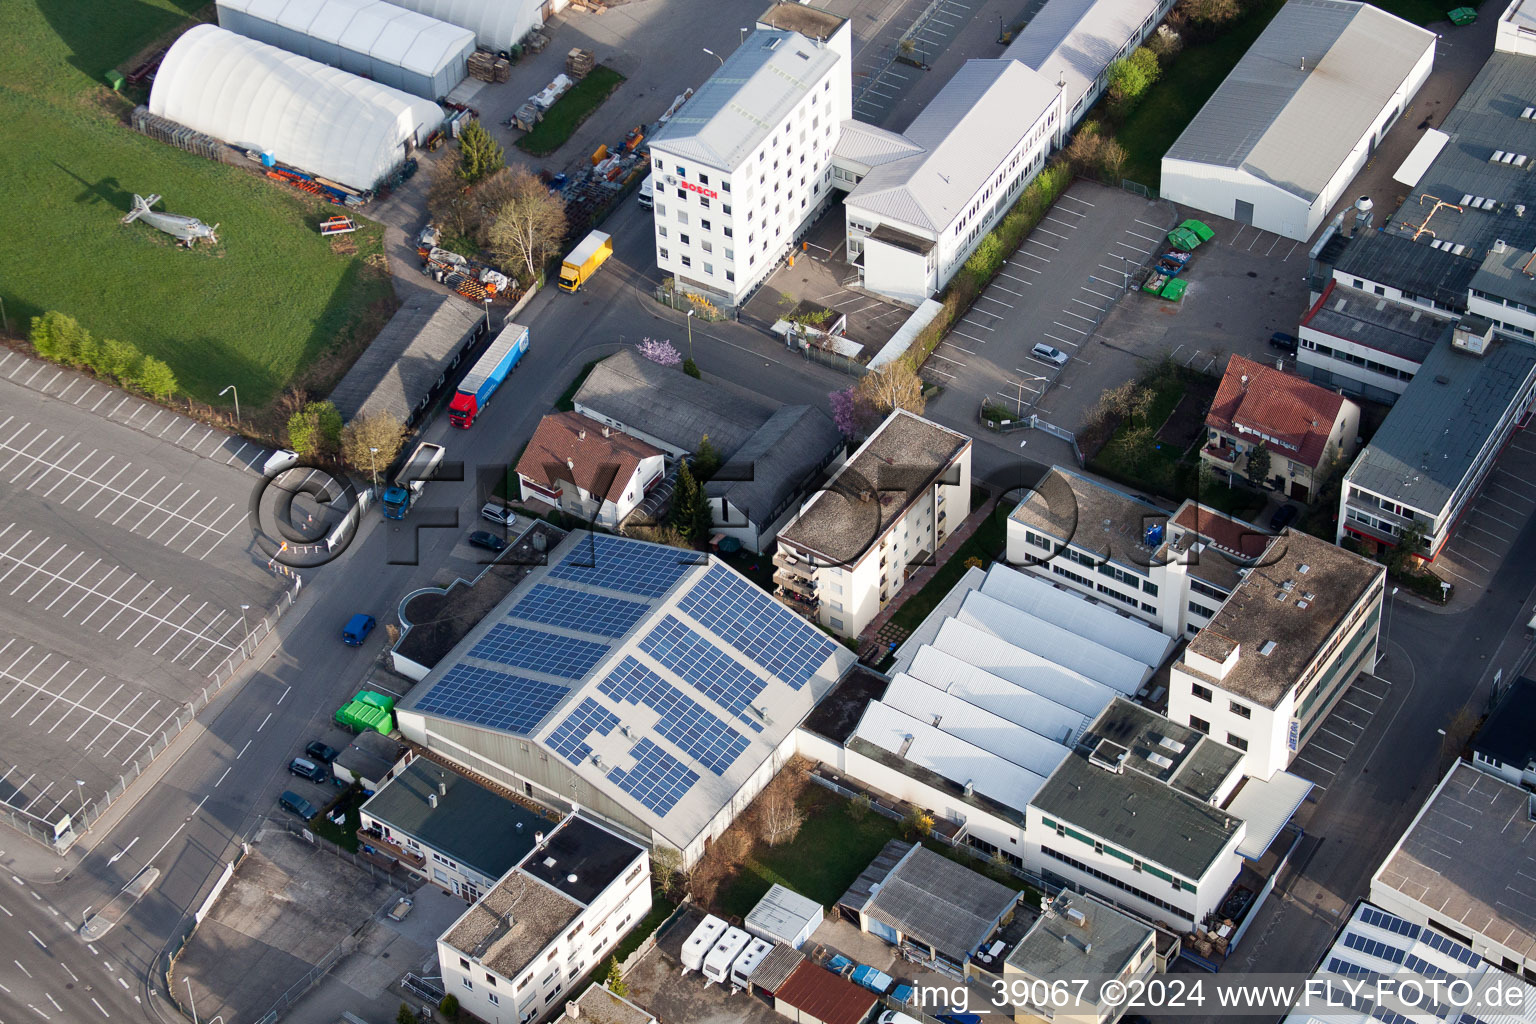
x=1091 y=305
x=1068 y=312
x=123 y=983
x=264 y=721
x=1040 y=243
x=1325 y=750
x=1000 y=302
x=54 y=1001
x=5 y=911
x=243 y=749
x=1053 y=234
x=98 y=1006
x=221 y=777
x=23 y=969
x=1075 y=199
x=962 y=334
x=1336 y=736
x=1069 y=327
x=1101 y=295
x=285 y=692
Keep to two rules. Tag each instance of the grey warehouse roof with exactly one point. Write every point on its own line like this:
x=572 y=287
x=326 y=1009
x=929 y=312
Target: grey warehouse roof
x=961 y=141
x=772 y=464
x=938 y=902
x=1433 y=435
x=1508 y=735
x=1468 y=858
x=467 y=822
x=746 y=99
x=1075 y=40
x=1305 y=93
x=1418 y=270
x=1407 y=332
x=403 y=363
x=1486 y=123
x=667 y=404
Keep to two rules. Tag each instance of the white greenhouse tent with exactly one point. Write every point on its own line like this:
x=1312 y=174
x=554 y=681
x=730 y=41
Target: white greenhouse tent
x=377 y=40
x=497 y=24
x=313 y=117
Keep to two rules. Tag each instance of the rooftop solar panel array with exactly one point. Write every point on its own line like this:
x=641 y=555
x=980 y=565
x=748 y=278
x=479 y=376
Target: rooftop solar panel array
x=1455 y=950
x=758 y=626
x=681 y=650
x=578 y=609
x=634 y=567
x=538 y=651
x=497 y=700
x=658 y=780
x=684 y=722
x=569 y=739
x=1388 y=922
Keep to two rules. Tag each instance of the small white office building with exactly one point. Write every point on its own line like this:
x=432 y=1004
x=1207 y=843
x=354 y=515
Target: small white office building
x=744 y=167
x=922 y=201
x=1299 y=116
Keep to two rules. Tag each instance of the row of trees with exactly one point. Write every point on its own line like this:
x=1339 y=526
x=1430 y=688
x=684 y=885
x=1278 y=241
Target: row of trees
x=507 y=212
x=367 y=444
x=60 y=339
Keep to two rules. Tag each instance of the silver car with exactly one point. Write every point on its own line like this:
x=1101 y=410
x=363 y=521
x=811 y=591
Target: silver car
x=499 y=514
x=1051 y=355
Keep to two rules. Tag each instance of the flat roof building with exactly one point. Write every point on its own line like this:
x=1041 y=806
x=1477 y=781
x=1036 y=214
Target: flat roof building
x=1462 y=867
x=1362 y=344
x=546 y=923
x=655 y=688
x=941 y=907
x=777 y=100
x=783 y=915
x=1306 y=106
x=1281 y=651
x=1505 y=745
x=1080 y=937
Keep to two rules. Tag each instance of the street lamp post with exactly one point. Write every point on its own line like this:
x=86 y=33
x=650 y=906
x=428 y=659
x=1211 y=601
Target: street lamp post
x=487 y=312
x=247 y=624
x=689 y=320
x=713 y=54
x=373 y=464
x=1388 y=629
x=742 y=40
x=237 y=400
x=80 y=789
x=1020 y=386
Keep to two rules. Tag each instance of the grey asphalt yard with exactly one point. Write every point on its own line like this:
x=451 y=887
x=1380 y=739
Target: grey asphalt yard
x=1493 y=520
x=1054 y=289
x=127 y=579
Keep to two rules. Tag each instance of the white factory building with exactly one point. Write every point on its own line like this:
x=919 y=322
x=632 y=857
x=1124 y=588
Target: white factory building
x=497 y=24
x=921 y=202
x=757 y=138
x=1299 y=116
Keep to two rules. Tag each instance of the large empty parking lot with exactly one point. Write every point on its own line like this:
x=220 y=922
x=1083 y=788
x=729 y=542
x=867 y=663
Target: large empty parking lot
x=127 y=576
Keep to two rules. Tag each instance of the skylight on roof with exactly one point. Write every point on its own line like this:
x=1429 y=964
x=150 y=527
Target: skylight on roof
x=1268 y=648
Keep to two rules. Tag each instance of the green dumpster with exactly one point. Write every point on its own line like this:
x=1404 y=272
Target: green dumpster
x=1174 y=291
x=1462 y=16
x=115 y=80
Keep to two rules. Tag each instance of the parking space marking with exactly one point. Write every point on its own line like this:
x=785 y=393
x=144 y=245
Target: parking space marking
x=1053 y=337
x=1071 y=213
x=1501 y=504
x=1101 y=295
x=962 y=334
x=1133 y=248
x=1040 y=243
x=1069 y=327
x=1000 y=302
x=1154 y=227
x=1146 y=238
x=208 y=521
x=940 y=355
x=1068 y=312
x=1000 y=288
x=1091 y=305
x=1075 y=199
x=1053 y=234
x=1460 y=557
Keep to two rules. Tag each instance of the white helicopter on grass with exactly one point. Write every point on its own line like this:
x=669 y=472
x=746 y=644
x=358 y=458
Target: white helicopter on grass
x=186 y=230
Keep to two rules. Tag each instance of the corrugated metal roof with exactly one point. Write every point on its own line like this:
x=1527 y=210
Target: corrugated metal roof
x=957 y=716
x=1003 y=697
x=1266 y=805
x=957 y=760
x=1075 y=40
x=746 y=99
x=1040 y=672
x=961 y=142
x=405 y=360
x=769 y=467
x=941 y=903
x=1305 y=94
x=861 y=143
x=1048 y=640
x=1069 y=610
x=1435 y=432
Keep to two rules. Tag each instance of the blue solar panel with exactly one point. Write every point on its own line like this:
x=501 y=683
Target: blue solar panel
x=577 y=609
x=686 y=723
x=480 y=696
x=538 y=651
x=633 y=566
x=1455 y=950
x=658 y=780
x=569 y=738
x=1388 y=922
x=758 y=626
x=687 y=654
x=1370 y=947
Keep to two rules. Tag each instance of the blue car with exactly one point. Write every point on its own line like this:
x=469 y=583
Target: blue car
x=357 y=629
x=958 y=1018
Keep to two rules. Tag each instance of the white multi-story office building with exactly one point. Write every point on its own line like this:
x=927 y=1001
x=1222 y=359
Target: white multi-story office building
x=922 y=201
x=885 y=512
x=744 y=167
x=547 y=923
x=1280 y=653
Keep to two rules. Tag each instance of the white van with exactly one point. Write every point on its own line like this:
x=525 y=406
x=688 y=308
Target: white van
x=648 y=191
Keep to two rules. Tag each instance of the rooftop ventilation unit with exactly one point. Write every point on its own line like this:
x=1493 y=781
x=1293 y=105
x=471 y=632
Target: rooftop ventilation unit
x=1528 y=114
x=1302 y=604
x=1077 y=917
x=1162 y=761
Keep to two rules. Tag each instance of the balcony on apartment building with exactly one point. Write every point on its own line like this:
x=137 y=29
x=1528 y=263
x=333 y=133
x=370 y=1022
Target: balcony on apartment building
x=390 y=847
x=794 y=565
x=798 y=603
x=798 y=585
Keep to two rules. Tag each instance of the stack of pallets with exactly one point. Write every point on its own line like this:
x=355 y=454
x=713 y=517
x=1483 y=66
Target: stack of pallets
x=487 y=67
x=174 y=134
x=579 y=62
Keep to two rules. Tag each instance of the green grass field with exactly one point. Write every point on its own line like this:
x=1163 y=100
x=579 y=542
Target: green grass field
x=561 y=120
x=270 y=302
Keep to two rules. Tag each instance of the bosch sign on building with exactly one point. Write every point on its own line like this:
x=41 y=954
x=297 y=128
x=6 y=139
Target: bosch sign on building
x=744 y=167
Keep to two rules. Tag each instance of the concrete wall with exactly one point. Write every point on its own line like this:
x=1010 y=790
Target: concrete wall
x=897 y=273
x=1004 y=834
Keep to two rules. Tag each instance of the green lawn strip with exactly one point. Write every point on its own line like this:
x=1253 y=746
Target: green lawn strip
x=345 y=835
x=1186 y=83
x=61 y=50
x=567 y=399
x=563 y=118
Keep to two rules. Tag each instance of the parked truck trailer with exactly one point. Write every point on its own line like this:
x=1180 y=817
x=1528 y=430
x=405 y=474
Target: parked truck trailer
x=413 y=476
x=482 y=380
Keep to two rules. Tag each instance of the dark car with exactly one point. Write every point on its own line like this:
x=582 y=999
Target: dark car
x=488 y=540
x=291 y=801
x=321 y=753
x=357 y=629
x=1284 y=516
x=306 y=769
x=1284 y=342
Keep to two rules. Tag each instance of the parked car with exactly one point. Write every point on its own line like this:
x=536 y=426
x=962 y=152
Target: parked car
x=1284 y=516
x=499 y=514
x=1049 y=354
x=307 y=769
x=1284 y=342
x=296 y=804
x=895 y=1017
x=357 y=629
x=279 y=461
x=401 y=908
x=488 y=540
x=321 y=753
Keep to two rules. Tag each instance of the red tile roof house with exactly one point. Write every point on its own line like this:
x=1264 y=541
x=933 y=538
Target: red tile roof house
x=1307 y=430
x=588 y=469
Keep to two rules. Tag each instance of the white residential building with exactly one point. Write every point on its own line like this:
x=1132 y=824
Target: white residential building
x=922 y=201
x=588 y=469
x=547 y=923
x=886 y=511
x=1461 y=868
x=1173 y=570
x=744 y=167
x=1282 y=651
